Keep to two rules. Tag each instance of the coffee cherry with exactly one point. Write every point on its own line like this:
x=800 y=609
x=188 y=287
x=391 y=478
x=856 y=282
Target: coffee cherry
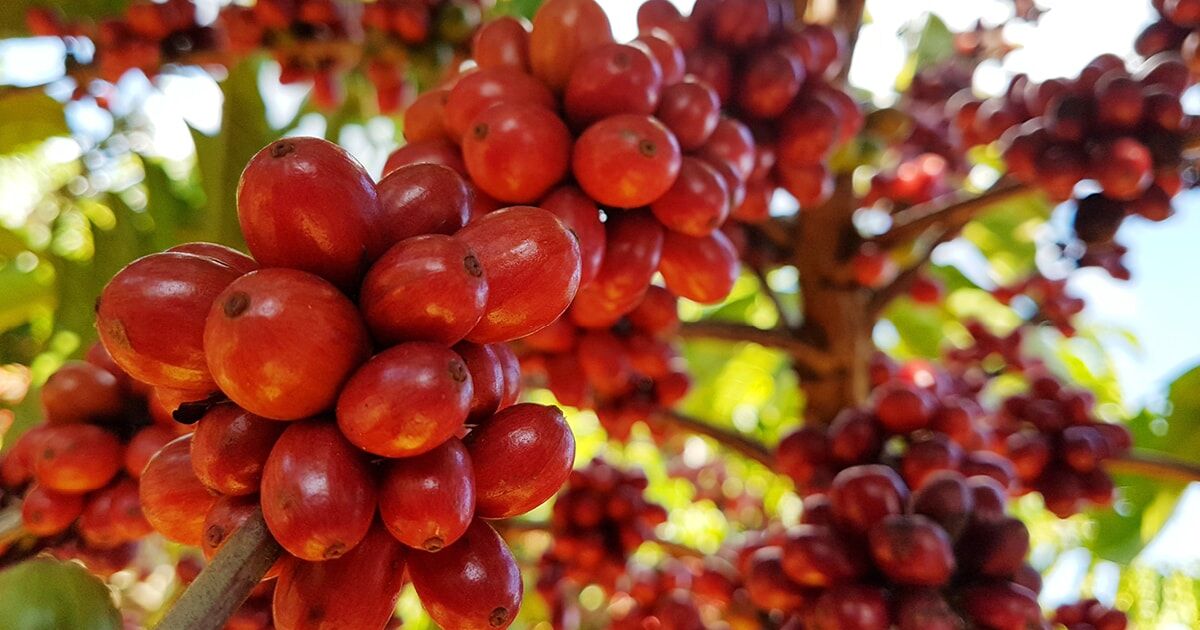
x=173 y=498
x=563 y=30
x=406 y=400
x=224 y=518
x=421 y=199
x=581 y=216
x=911 y=549
x=516 y=152
x=851 y=606
x=926 y=609
x=440 y=151
x=626 y=161
x=665 y=50
x=803 y=456
x=357 y=590
x=697 y=203
x=863 y=495
x=308 y=518
x=76 y=458
x=946 y=499
x=1001 y=606
x=45 y=512
x=325 y=225
x=700 y=269
x=807 y=132
x=771 y=80
x=502 y=43
x=281 y=342
x=854 y=437
x=474 y=93
x=81 y=392
x=995 y=548
x=474 y=584
x=113 y=516
x=633 y=251
x=233 y=258
x=230 y=448
x=521 y=457
x=814 y=556
x=1123 y=168
x=903 y=408
x=428 y=501
x=612 y=79
x=489 y=370
x=426 y=288
x=713 y=67
x=423 y=118
x=532 y=267
x=691 y=110
x=150 y=317
x=769 y=587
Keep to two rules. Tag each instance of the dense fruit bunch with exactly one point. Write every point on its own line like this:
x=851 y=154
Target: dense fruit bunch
x=777 y=77
x=1051 y=301
x=873 y=555
x=1090 y=614
x=344 y=377
x=599 y=520
x=1176 y=31
x=661 y=597
x=78 y=472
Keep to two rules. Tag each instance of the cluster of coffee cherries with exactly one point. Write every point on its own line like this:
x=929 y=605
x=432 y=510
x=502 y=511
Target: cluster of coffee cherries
x=1090 y=614
x=78 y=472
x=912 y=181
x=657 y=597
x=599 y=520
x=1054 y=305
x=354 y=384
x=1124 y=131
x=873 y=554
x=1174 y=31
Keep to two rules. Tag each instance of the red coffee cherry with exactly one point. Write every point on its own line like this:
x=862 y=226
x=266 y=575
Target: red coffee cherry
x=474 y=584
x=521 y=456
x=626 y=161
x=427 y=501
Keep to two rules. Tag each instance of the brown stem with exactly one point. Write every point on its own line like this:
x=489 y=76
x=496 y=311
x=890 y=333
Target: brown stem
x=811 y=357
x=954 y=209
x=729 y=439
x=225 y=583
x=849 y=21
x=1154 y=465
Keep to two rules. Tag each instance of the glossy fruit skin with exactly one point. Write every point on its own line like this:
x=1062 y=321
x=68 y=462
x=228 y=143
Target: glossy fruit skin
x=423 y=117
x=224 y=518
x=626 y=161
x=511 y=367
x=516 y=152
x=488 y=384
x=698 y=202
x=357 y=590
x=612 y=79
x=173 y=498
x=16 y=467
x=532 y=266
x=230 y=447
x=665 y=50
x=503 y=42
x=220 y=253
x=562 y=31
x=911 y=549
x=76 y=458
x=150 y=317
x=479 y=90
x=691 y=110
x=281 y=342
x=581 y=216
x=632 y=254
x=813 y=556
x=113 y=516
x=474 y=584
x=324 y=224
x=732 y=141
x=45 y=512
x=848 y=606
x=426 y=288
x=318 y=496
x=768 y=586
x=946 y=499
x=406 y=400
x=439 y=151
x=701 y=269
x=1001 y=606
x=428 y=501
x=421 y=199
x=522 y=456
x=863 y=495
x=772 y=79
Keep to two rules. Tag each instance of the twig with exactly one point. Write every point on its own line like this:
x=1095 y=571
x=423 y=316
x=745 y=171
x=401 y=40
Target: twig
x=904 y=280
x=225 y=583
x=783 y=324
x=952 y=209
x=729 y=439
x=1154 y=465
x=814 y=359
x=849 y=20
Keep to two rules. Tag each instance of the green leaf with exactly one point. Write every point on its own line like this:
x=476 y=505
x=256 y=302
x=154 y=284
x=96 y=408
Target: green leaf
x=522 y=8
x=934 y=44
x=1178 y=432
x=12 y=18
x=30 y=117
x=26 y=294
x=48 y=594
x=221 y=158
x=1144 y=507
x=1006 y=233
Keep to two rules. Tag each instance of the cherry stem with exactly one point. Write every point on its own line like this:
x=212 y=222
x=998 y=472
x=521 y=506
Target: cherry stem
x=732 y=440
x=226 y=582
x=1145 y=463
x=815 y=359
x=952 y=209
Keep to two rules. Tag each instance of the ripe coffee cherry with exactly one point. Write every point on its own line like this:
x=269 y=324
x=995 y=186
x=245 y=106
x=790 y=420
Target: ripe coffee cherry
x=502 y=43
x=772 y=79
x=581 y=216
x=632 y=254
x=425 y=288
x=281 y=342
x=803 y=455
x=714 y=67
x=325 y=224
x=1001 y=605
x=230 y=448
x=946 y=499
x=697 y=203
x=113 y=516
x=318 y=496
x=605 y=362
x=76 y=458
x=657 y=314
x=476 y=92
x=474 y=584
x=423 y=118
x=612 y=79
x=911 y=549
x=357 y=590
x=150 y=317
x=1097 y=218
x=626 y=161
x=813 y=556
x=665 y=50
x=731 y=141
x=997 y=548
x=220 y=253
x=495 y=378
x=903 y=408
x=516 y=151
x=406 y=400
x=1123 y=168
x=45 y=512
x=421 y=199
x=926 y=609
x=700 y=269
x=855 y=606
x=563 y=30
x=862 y=496
x=428 y=501
x=532 y=266
x=810 y=185
x=691 y=110
x=521 y=456
x=768 y=585
x=224 y=518
x=807 y=132
x=173 y=499
x=81 y=392
x=854 y=437
x=928 y=455
x=440 y=151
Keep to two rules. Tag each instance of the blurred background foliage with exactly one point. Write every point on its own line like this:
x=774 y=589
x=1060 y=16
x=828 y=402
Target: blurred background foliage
x=86 y=190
